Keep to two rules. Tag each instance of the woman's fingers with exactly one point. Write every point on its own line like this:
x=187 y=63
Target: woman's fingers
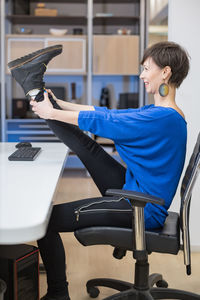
x=51 y=93
x=33 y=102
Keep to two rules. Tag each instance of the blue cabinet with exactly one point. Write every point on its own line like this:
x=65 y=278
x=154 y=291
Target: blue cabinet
x=28 y=130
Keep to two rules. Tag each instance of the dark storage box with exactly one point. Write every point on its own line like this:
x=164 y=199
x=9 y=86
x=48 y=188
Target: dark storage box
x=20 y=271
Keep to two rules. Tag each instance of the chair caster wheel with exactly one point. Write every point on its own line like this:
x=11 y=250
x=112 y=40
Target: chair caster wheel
x=93 y=292
x=162 y=283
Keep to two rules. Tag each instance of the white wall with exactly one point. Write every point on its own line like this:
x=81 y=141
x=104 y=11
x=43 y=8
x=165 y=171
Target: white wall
x=184 y=24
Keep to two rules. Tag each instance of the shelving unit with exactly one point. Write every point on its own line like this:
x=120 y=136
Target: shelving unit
x=95 y=28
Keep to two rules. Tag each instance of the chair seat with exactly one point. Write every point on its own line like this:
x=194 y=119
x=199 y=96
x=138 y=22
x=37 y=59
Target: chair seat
x=163 y=240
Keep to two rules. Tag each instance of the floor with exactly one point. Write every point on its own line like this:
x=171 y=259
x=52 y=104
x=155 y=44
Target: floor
x=84 y=263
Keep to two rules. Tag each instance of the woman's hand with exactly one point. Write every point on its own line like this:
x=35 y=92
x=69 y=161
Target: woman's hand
x=61 y=103
x=67 y=106
x=43 y=109
x=52 y=94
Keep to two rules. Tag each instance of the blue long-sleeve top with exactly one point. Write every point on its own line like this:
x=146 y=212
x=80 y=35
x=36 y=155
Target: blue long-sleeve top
x=152 y=142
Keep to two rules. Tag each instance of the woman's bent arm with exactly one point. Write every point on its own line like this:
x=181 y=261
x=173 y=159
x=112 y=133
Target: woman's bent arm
x=70 y=106
x=73 y=107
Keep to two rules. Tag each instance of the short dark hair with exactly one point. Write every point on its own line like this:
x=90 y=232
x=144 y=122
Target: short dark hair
x=172 y=55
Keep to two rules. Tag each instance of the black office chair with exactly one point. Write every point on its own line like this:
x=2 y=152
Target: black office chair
x=142 y=243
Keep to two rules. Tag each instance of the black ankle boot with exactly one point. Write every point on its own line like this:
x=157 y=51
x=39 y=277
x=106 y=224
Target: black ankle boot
x=46 y=297
x=28 y=70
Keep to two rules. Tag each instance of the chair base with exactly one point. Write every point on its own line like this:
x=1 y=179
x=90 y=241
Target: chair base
x=142 y=289
x=154 y=293
x=129 y=292
x=120 y=285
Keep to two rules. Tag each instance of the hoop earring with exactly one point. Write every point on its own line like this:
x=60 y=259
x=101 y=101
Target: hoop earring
x=163 y=90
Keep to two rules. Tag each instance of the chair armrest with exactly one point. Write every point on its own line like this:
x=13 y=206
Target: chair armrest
x=136 y=198
x=138 y=201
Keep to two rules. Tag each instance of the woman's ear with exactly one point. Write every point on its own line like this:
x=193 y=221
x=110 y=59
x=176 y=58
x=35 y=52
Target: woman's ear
x=167 y=72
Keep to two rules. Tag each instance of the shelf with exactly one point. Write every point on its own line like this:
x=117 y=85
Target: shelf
x=59 y=20
x=85 y=1
x=119 y=20
x=73 y=20
x=61 y=1
x=116 y=1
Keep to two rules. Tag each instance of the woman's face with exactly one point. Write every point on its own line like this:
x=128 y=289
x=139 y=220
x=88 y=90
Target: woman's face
x=152 y=76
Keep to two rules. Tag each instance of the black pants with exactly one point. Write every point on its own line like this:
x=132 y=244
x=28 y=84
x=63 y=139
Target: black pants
x=106 y=173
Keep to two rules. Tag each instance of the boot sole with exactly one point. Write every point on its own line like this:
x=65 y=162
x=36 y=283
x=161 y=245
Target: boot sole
x=25 y=59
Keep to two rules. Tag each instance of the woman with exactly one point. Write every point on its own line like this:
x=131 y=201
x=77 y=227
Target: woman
x=151 y=141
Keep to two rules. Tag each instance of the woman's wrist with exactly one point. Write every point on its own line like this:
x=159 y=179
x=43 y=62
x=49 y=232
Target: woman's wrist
x=52 y=114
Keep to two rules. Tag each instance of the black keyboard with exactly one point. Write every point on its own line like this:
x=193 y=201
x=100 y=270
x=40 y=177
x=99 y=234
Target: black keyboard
x=25 y=154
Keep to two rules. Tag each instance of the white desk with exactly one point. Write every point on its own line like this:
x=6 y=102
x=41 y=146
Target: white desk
x=27 y=190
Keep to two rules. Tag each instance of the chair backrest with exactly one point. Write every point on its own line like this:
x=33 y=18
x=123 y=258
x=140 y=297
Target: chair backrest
x=188 y=182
